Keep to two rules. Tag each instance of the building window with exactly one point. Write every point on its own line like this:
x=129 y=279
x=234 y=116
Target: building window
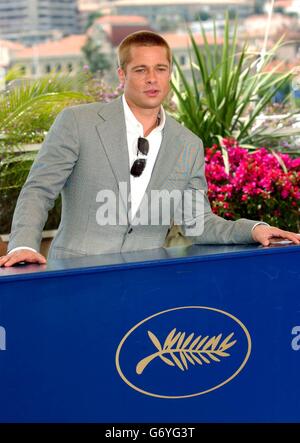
x=182 y=60
x=70 y=67
x=48 y=69
x=58 y=67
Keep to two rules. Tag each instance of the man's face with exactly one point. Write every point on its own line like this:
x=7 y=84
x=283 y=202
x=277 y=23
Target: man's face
x=147 y=76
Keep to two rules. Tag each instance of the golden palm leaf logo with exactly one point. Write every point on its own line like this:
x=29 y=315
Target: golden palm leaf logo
x=179 y=350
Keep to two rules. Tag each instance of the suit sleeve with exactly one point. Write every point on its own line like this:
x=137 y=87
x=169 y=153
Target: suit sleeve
x=49 y=172
x=201 y=225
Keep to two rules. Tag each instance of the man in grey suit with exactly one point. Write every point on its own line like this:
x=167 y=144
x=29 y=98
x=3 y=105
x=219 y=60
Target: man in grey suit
x=97 y=152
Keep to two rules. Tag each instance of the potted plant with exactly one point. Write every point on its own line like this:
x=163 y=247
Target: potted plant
x=230 y=87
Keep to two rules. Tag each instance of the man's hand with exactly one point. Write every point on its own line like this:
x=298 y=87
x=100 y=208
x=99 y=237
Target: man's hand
x=264 y=234
x=22 y=255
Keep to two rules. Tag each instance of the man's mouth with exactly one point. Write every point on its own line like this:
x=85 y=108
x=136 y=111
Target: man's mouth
x=152 y=92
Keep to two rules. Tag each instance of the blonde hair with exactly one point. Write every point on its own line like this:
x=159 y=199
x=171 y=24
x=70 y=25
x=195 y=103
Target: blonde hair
x=140 y=38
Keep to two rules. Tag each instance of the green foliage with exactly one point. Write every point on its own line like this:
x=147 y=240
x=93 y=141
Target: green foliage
x=203 y=16
x=91 y=18
x=13 y=74
x=27 y=111
x=232 y=13
x=279 y=10
x=259 y=6
x=97 y=61
x=228 y=90
x=14 y=169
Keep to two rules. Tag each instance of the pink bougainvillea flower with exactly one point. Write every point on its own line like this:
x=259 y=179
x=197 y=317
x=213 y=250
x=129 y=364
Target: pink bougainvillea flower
x=260 y=185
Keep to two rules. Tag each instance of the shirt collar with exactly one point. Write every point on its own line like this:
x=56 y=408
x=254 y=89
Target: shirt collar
x=132 y=122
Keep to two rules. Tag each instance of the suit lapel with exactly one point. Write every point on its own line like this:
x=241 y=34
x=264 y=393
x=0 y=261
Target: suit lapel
x=113 y=137
x=167 y=155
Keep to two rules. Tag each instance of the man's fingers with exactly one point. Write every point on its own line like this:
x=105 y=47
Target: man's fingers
x=295 y=238
x=14 y=260
x=267 y=235
x=22 y=256
x=3 y=260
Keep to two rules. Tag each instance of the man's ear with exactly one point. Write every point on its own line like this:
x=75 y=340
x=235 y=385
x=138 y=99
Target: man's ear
x=121 y=75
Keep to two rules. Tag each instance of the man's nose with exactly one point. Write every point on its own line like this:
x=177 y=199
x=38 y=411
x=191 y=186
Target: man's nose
x=151 y=76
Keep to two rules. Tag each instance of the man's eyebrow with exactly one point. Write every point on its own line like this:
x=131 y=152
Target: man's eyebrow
x=138 y=66
x=145 y=66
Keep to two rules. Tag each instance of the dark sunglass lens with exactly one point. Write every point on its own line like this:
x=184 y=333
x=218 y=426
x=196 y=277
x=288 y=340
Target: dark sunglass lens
x=143 y=145
x=138 y=167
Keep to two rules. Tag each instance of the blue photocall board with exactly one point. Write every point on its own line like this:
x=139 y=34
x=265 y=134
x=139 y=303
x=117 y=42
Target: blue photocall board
x=199 y=335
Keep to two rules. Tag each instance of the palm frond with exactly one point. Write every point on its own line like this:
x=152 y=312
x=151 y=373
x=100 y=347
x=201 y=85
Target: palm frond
x=32 y=106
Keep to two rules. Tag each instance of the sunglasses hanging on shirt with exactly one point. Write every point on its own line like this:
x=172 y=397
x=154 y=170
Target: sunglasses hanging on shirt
x=139 y=164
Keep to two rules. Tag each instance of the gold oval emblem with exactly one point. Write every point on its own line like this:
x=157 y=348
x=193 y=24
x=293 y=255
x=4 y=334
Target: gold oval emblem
x=218 y=346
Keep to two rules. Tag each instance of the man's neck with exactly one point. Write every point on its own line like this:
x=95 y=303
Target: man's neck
x=149 y=118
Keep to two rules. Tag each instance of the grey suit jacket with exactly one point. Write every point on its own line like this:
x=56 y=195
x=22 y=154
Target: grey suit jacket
x=85 y=152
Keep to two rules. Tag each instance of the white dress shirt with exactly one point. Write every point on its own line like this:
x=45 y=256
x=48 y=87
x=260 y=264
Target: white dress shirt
x=134 y=130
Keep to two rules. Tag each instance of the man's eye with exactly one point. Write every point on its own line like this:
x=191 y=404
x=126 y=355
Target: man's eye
x=140 y=70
